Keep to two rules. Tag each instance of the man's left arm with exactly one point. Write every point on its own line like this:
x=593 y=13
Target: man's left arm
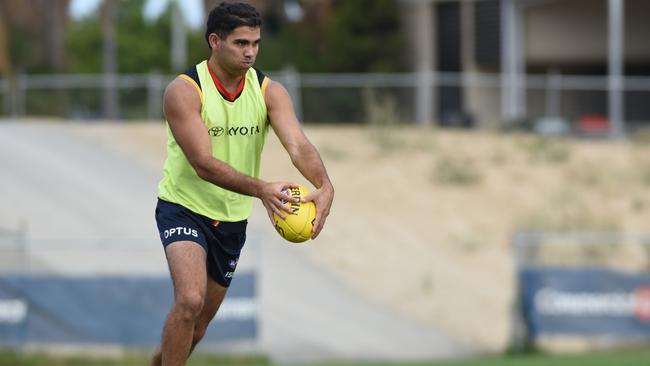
x=304 y=155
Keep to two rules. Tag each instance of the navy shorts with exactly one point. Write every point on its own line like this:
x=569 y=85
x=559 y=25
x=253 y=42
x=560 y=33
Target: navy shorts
x=222 y=241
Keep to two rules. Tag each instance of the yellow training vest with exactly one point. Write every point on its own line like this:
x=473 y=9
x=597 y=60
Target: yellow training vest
x=237 y=129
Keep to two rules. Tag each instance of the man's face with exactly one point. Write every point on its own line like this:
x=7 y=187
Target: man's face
x=238 y=51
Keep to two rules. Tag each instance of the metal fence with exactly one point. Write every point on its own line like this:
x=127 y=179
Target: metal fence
x=457 y=98
x=618 y=250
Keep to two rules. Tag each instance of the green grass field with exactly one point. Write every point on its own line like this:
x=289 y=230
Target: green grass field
x=621 y=358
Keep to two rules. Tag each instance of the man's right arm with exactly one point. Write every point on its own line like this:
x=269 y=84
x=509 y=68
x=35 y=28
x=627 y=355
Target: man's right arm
x=182 y=107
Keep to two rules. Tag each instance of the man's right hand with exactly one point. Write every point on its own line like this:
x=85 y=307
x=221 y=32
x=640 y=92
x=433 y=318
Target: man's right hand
x=272 y=196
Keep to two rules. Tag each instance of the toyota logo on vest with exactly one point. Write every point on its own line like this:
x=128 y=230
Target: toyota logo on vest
x=235 y=131
x=216 y=131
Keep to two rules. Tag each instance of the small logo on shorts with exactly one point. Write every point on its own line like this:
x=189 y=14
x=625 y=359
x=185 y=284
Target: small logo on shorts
x=180 y=231
x=229 y=274
x=233 y=263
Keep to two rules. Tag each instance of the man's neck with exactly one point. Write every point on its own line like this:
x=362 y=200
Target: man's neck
x=228 y=80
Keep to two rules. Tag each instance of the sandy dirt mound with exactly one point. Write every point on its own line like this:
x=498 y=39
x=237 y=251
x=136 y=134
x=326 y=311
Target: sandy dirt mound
x=423 y=219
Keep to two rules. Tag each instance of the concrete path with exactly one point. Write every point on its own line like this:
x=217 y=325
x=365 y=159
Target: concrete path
x=324 y=318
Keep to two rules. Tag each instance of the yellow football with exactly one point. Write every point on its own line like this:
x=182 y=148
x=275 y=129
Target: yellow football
x=296 y=227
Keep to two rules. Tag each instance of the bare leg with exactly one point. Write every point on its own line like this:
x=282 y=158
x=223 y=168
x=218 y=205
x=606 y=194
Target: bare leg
x=187 y=267
x=213 y=298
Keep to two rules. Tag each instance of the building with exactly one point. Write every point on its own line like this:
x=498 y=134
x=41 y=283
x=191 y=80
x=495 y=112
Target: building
x=547 y=53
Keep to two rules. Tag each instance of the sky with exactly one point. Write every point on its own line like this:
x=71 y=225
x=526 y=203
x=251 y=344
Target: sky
x=191 y=9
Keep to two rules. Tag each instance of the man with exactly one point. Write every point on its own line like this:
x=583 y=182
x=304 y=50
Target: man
x=218 y=114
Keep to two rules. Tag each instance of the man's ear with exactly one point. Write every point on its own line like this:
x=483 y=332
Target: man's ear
x=214 y=39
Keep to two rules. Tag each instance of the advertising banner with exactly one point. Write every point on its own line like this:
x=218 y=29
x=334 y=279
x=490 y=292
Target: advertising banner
x=113 y=310
x=585 y=302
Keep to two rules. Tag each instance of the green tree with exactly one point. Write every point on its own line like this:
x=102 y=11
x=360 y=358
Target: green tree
x=356 y=36
x=141 y=46
x=365 y=36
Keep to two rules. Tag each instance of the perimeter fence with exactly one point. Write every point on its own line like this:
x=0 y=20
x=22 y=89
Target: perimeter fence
x=458 y=99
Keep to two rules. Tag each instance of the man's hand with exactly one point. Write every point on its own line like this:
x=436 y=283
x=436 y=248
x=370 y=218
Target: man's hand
x=272 y=197
x=322 y=198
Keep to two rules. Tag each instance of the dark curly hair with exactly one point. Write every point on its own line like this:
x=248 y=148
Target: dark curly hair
x=227 y=16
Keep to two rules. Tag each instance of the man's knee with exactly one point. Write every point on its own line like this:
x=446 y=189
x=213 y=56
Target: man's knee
x=189 y=304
